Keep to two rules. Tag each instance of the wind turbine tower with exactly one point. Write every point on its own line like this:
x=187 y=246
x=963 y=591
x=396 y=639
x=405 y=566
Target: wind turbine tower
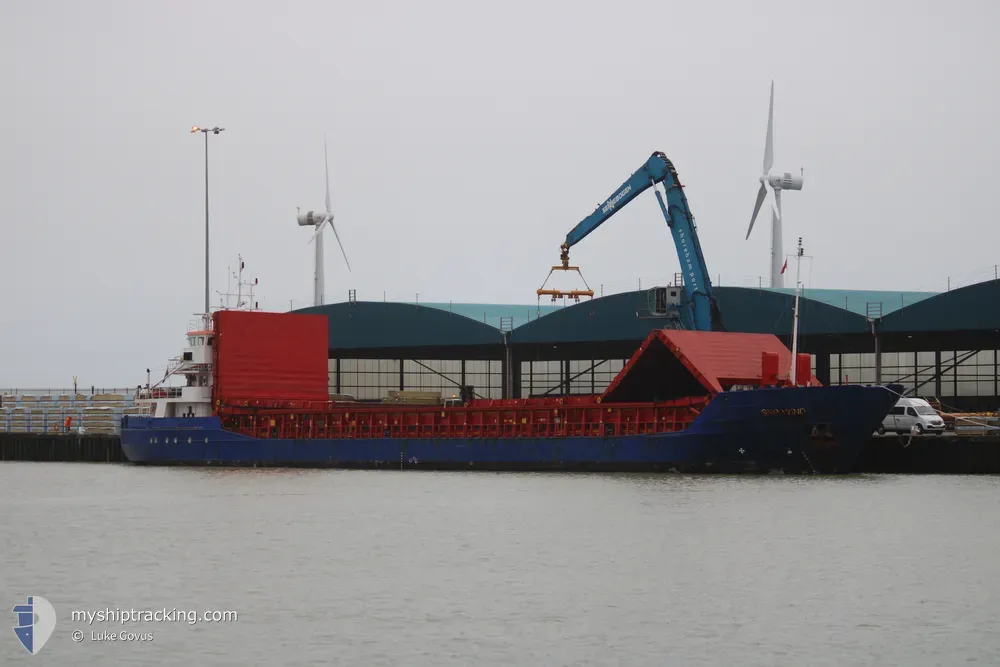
x=778 y=182
x=318 y=220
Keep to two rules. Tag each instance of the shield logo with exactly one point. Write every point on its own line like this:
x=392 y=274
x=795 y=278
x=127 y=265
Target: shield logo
x=35 y=622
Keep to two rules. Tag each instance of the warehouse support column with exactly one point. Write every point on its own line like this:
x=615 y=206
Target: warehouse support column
x=937 y=373
x=505 y=367
x=823 y=366
x=503 y=376
x=515 y=376
x=878 y=360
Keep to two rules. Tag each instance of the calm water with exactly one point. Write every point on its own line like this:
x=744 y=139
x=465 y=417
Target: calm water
x=428 y=569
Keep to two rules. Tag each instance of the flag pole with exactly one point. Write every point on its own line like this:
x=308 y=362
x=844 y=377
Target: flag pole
x=795 y=322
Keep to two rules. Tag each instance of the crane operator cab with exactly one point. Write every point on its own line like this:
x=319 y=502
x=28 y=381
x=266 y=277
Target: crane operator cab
x=912 y=414
x=664 y=300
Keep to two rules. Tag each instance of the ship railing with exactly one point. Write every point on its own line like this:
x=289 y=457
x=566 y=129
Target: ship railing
x=148 y=393
x=594 y=420
x=201 y=324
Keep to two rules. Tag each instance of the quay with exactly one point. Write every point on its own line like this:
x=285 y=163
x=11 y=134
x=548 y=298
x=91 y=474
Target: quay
x=64 y=447
x=949 y=453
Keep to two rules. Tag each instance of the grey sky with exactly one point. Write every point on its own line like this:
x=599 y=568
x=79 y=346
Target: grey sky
x=465 y=140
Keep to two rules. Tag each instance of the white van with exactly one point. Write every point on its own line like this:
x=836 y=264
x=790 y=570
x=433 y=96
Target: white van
x=912 y=413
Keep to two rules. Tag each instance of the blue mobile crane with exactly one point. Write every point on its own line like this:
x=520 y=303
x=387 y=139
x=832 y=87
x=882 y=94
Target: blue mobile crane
x=700 y=310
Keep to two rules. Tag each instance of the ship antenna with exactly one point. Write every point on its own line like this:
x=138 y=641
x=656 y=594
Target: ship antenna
x=795 y=321
x=239 y=283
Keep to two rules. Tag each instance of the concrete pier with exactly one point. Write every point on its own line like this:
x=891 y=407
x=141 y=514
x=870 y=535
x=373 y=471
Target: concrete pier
x=949 y=453
x=102 y=448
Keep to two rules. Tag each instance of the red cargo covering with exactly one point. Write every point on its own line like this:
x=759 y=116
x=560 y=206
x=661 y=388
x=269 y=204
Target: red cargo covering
x=770 y=368
x=519 y=420
x=672 y=363
x=281 y=356
x=803 y=369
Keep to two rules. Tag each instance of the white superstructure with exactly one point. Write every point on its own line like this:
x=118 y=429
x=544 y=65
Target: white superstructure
x=193 y=398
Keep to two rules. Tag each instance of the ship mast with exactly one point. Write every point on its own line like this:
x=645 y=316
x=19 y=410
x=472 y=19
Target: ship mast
x=795 y=321
x=242 y=298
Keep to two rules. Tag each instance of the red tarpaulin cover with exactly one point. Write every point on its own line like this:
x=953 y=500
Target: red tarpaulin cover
x=270 y=356
x=711 y=361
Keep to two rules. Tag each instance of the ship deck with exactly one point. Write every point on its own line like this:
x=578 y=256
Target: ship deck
x=663 y=388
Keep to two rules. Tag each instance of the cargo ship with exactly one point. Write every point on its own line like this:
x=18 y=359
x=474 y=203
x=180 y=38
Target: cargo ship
x=686 y=401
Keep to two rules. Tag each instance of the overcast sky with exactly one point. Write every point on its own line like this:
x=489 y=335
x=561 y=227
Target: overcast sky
x=466 y=139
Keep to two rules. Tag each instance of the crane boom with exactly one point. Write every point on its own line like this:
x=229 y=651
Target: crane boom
x=701 y=304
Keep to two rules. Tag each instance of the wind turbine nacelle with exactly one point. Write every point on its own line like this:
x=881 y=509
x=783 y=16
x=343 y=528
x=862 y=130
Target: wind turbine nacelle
x=785 y=181
x=310 y=218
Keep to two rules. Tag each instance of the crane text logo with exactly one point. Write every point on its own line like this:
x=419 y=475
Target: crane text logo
x=687 y=261
x=617 y=198
x=35 y=622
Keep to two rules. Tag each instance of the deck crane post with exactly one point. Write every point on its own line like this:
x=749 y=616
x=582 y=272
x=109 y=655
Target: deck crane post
x=701 y=307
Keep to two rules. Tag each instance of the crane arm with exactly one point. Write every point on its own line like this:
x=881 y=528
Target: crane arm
x=703 y=309
x=637 y=183
x=701 y=304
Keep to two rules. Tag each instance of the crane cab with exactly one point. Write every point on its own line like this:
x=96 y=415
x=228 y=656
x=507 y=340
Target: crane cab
x=664 y=300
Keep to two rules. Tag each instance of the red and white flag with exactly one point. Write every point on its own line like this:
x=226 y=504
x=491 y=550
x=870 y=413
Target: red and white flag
x=784 y=266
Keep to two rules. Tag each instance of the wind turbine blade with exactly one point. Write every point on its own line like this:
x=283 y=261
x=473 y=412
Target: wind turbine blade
x=319 y=228
x=340 y=244
x=769 y=144
x=326 y=162
x=756 y=207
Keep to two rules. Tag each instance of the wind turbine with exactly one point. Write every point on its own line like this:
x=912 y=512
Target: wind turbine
x=318 y=220
x=778 y=182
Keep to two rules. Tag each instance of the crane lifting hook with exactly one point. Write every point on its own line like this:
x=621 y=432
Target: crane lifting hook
x=565 y=266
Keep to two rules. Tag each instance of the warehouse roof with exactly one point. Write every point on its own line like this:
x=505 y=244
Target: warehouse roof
x=377 y=324
x=972 y=308
x=861 y=302
x=499 y=315
x=627 y=317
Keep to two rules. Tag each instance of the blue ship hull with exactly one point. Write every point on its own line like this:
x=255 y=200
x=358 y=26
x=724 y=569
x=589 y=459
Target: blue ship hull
x=800 y=429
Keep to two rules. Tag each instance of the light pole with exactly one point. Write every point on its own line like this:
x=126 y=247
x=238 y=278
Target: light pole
x=205 y=131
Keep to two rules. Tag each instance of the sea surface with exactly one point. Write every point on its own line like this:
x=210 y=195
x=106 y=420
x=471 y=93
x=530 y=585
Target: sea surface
x=432 y=569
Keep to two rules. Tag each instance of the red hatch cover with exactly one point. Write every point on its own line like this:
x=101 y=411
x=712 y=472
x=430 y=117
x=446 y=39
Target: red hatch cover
x=672 y=364
x=270 y=356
